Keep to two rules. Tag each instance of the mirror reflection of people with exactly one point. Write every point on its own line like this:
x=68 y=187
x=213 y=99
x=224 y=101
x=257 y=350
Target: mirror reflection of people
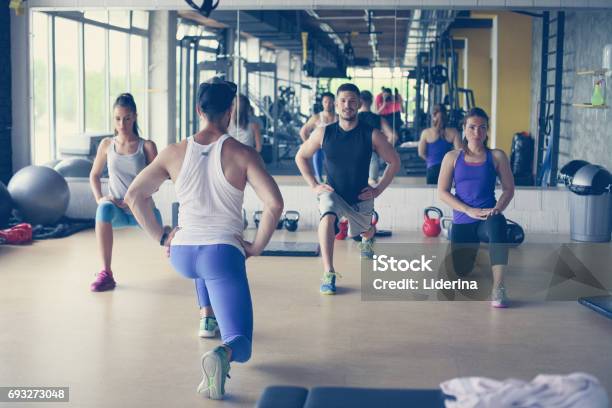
x=390 y=106
x=376 y=122
x=436 y=141
x=477 y=215
x=210 y=171
x=125 y=155
x=242 y=127
x=348 y=146
x=320 y=120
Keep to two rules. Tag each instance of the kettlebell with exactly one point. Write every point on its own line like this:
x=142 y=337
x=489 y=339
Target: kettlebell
x=375 y=217
x=514 y=233
x=446 y=223
x=431 y=226
x=257 y=218
x=291 y=220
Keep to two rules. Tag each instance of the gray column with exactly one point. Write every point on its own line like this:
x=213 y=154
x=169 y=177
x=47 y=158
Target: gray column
x=162 y=77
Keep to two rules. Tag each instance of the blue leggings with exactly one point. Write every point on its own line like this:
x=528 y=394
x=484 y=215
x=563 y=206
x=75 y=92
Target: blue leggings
x=220 y=274
x=119 y=217
x=317 y=164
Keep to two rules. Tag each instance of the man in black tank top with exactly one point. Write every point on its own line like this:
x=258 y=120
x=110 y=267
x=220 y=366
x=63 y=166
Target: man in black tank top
x=348 y=146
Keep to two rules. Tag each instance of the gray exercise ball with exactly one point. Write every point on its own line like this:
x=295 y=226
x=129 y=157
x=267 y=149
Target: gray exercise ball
x=6 y=205
x=40 y=194
x=74 y=167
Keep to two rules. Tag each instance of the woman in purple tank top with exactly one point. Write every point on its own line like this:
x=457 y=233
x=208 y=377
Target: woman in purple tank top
x=436 y=141
x=477 y=215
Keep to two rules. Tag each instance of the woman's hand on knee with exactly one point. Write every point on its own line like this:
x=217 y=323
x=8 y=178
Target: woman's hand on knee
x=478 y=213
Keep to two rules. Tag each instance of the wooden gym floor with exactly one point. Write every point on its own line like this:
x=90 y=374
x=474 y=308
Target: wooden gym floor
x=138 y=347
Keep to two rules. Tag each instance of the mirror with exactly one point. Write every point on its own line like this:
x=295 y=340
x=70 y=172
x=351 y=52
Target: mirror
x=283 y=61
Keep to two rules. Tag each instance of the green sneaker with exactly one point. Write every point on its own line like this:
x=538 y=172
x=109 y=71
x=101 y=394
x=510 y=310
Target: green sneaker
x=208 y=327
x=328 y=283
x=215 y=369
x=367 y=248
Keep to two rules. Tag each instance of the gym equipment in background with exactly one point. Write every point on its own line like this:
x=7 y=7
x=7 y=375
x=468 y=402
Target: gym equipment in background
x=17 y=235
x=567 y=172
x=6 y=205
x=291 y=220
x=431 y=226
x=245 y=222
x=74 y=167
x=521 y=159
x=446 y=224
x=257 y=218
x=276 y=248
x=40 y=194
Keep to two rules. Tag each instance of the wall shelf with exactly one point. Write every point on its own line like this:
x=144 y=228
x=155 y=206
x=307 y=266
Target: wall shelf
x=589 y=106
x=594 y=72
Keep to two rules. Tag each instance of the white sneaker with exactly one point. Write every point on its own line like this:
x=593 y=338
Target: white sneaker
x=499 y=298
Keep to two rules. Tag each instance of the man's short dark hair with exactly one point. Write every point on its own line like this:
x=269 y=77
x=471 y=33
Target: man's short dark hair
x=348 y=87
x=215 y=97
x=367 y=97
x=328 y=95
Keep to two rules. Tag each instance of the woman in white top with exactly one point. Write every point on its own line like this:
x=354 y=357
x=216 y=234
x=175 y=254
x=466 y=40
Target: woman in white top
x=126 y=155
x=241 y=128
x=210 y=171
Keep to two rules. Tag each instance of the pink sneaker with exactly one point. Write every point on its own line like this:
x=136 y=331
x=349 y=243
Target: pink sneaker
x=104 y=281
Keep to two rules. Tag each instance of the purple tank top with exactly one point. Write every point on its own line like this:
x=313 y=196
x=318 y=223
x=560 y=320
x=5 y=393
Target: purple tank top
x=436 y=151
x=474 y=186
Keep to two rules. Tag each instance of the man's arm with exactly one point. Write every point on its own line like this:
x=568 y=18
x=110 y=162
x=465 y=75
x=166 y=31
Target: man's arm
x=268 y=192
x=388 y=131
x=304 y=155
x=309 y=126
x=385 y=151
x=147 y=182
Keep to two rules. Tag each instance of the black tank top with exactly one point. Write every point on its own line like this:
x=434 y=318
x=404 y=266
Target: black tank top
x=347 y=159
x=370 y=118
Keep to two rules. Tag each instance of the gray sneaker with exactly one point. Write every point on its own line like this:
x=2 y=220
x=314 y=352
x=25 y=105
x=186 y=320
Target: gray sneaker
x=208 y=327
x=499 y=298
x=215 y=369
x=367 y=248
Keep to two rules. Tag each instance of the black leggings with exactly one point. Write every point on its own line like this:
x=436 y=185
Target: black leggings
x=433 y=173
x=493 y=230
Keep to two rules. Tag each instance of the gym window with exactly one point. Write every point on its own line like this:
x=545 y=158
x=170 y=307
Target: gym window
x=81 y=61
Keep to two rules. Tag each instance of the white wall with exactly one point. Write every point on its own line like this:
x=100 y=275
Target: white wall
x=400 y=207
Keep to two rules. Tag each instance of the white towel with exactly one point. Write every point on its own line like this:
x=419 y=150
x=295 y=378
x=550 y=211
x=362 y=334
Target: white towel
x=577 y=390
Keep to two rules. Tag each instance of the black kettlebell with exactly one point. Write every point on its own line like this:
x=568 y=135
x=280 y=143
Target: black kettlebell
x=257 y=218
x=514 y=233
x=291 y=220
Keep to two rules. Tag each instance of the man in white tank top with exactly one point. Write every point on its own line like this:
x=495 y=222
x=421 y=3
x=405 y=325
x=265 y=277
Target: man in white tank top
x=210 y=171
x=319 y=120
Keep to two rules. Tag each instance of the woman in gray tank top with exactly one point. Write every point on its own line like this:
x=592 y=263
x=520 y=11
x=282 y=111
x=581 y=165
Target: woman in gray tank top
x=126 y=155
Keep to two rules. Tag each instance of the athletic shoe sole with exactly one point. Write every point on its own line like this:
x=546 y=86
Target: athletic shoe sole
x=212 y=374
x=208 y=334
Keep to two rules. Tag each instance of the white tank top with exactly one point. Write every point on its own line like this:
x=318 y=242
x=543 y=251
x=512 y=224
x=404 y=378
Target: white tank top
x=210 y=208
x=244 y=136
